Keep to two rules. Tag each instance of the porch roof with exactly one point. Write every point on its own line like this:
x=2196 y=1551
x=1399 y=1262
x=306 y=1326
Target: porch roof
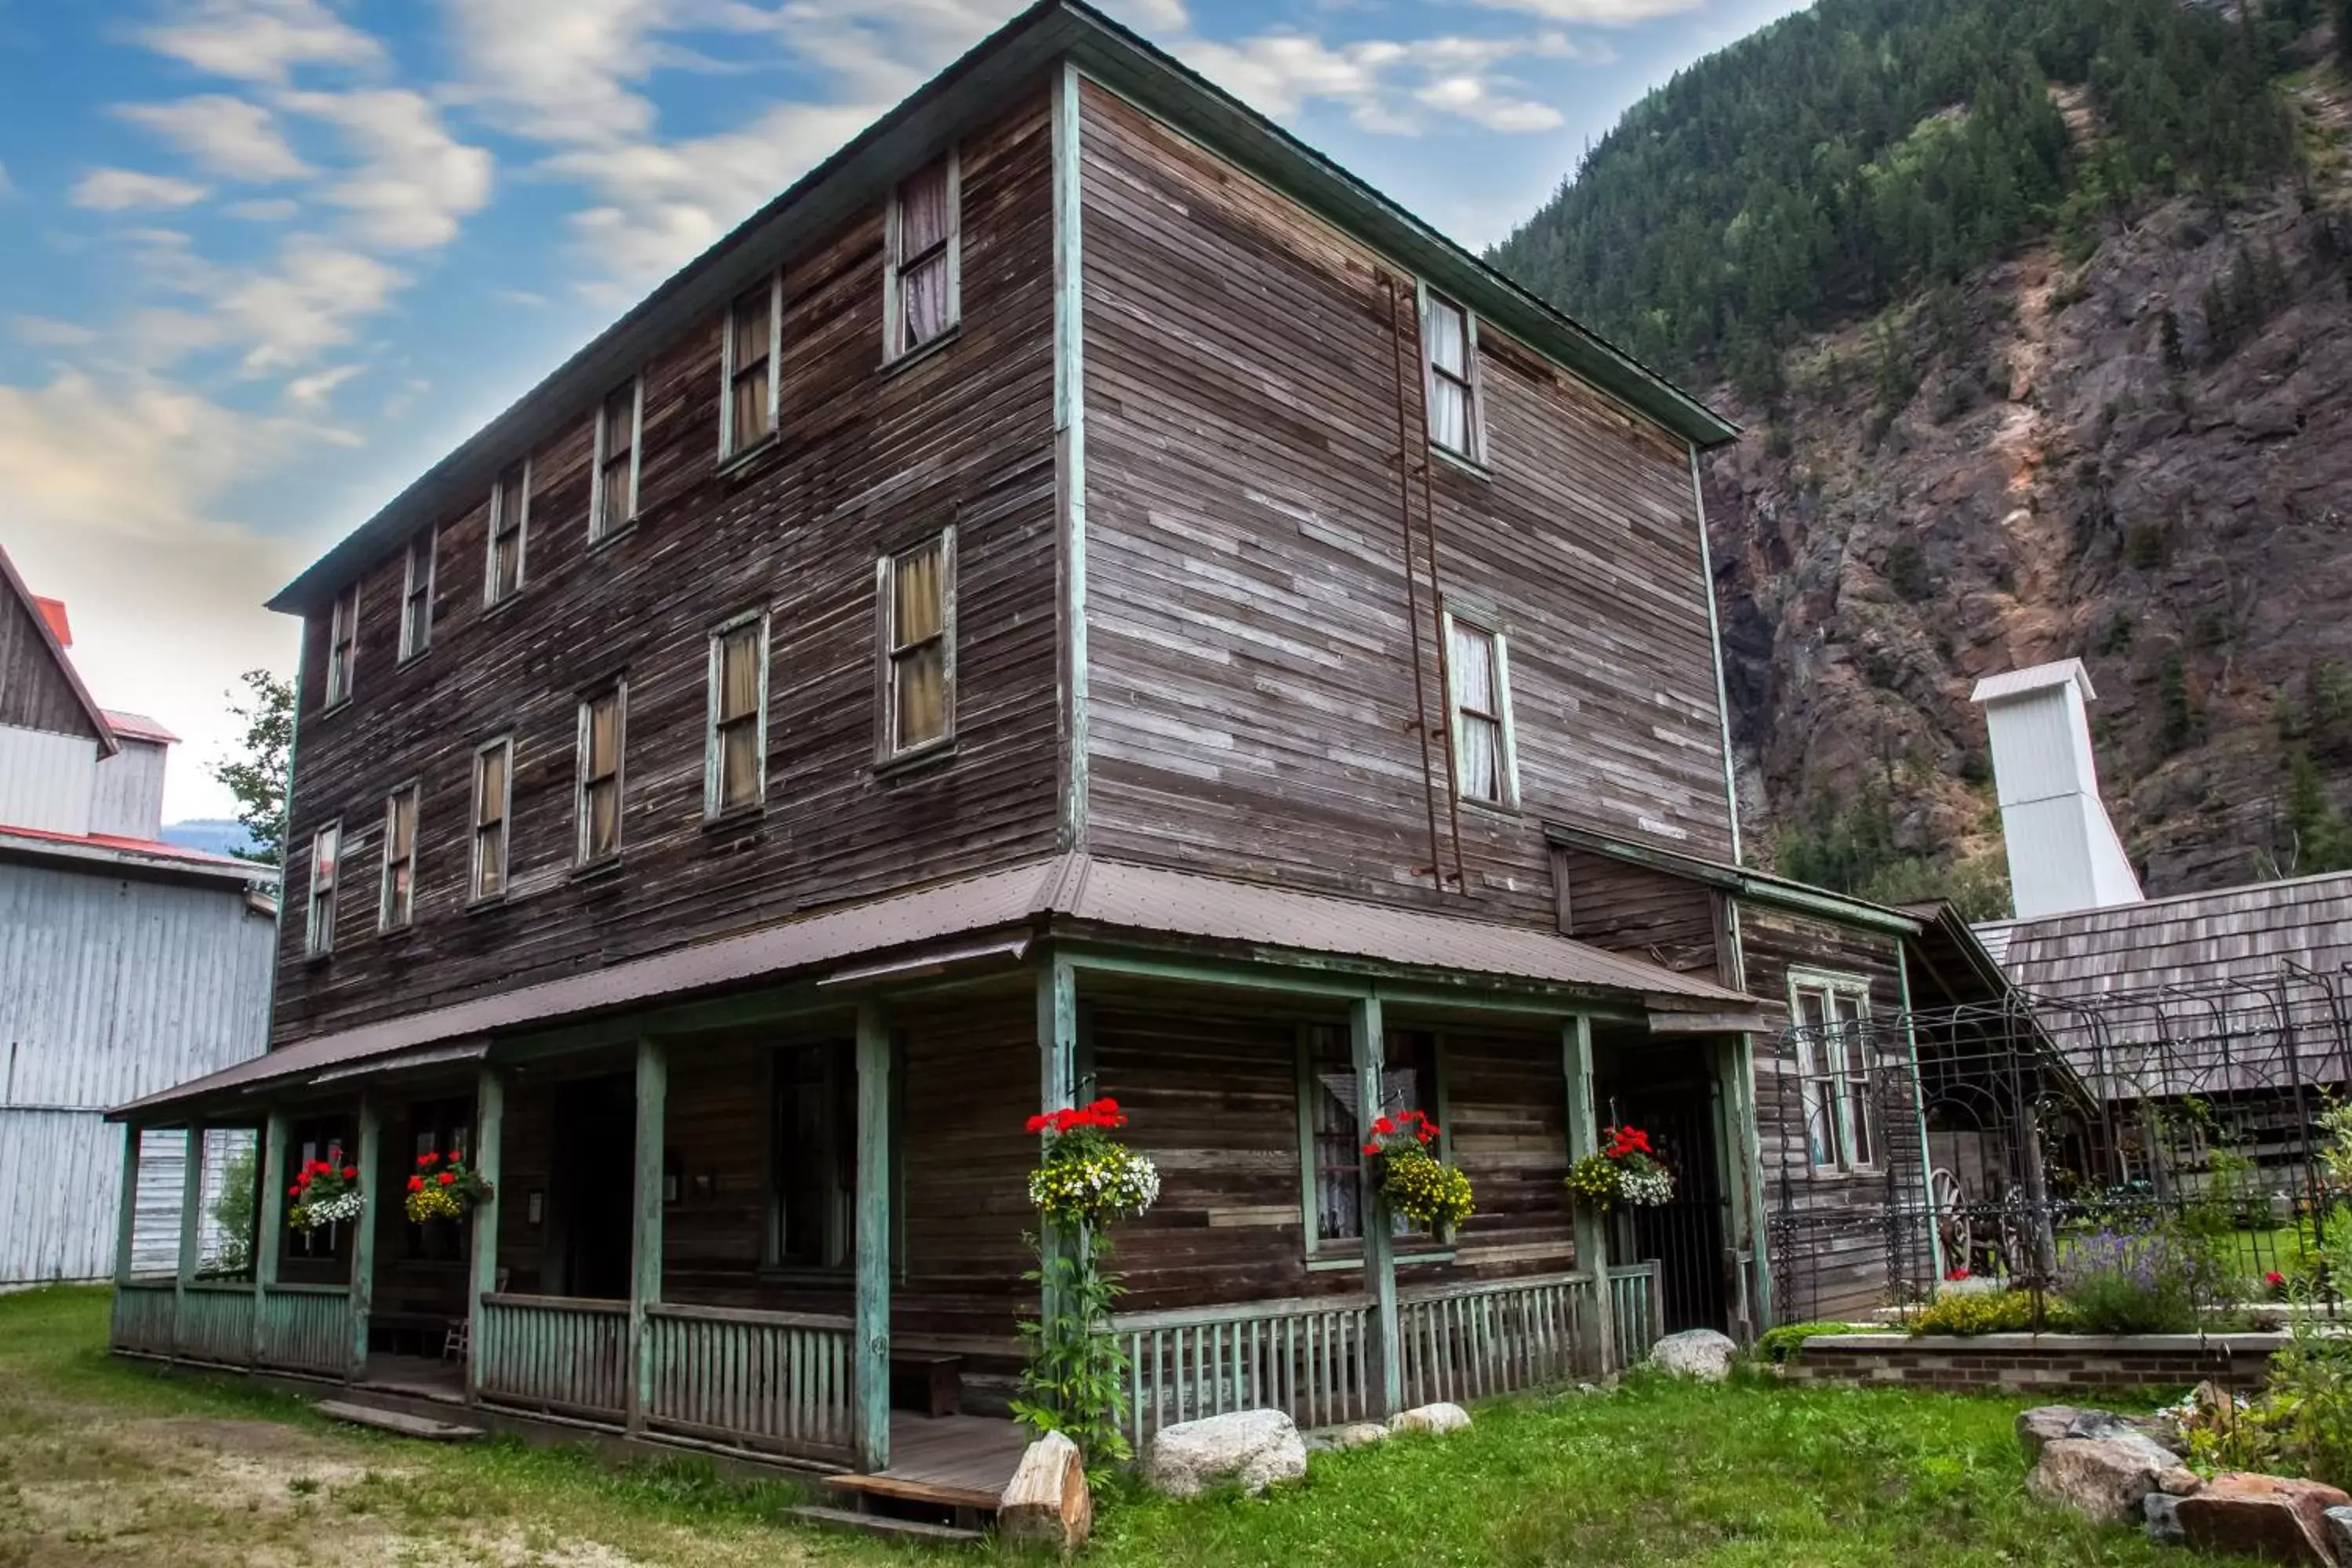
x=1070 y=894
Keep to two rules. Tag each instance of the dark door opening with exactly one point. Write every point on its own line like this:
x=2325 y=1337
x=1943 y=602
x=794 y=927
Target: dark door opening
x=595 y=1163
x=1673 y=1102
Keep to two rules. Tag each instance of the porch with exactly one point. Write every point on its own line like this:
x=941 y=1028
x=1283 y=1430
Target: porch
x=787 y=1224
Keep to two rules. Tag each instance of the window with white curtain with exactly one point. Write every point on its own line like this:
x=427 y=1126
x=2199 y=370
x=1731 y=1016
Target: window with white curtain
x=1832 y=1039
x=416 y=595
x=1478 y=695
x=1449 y=337
x=342 y=645
x=493 y=799
x=747 y=371
x=735 y=762
x=917 y=638
x=602 y=717
x=509 y=518
x=396 y=903
x=921 y=300
x=326 y=862
x=612 y=501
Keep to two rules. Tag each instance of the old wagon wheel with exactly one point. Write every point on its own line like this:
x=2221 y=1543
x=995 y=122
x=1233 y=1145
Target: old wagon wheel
x=1951 y=1206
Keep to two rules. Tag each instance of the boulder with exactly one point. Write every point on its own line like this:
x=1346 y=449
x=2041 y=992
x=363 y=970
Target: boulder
x=1701 y=1354
x=2261 y=1516
x=2162 y=1511
x=2105 y=1478
x=2045 y=1422
x=1435 y=1418
x=1250 y=1448
x=1358 y=1435
x=2338 y=1524
x=1047 y=1502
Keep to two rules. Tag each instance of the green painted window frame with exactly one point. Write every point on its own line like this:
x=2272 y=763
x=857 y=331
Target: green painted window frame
x=1347 y=1252
x=1838 y=1076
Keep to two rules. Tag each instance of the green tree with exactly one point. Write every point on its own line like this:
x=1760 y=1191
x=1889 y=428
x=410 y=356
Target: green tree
x=257 y=775
x=2318 y=838
x=233 y=1211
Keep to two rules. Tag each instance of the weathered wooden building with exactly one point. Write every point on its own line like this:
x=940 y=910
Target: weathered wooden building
x=127 y=965
x=1079 y=594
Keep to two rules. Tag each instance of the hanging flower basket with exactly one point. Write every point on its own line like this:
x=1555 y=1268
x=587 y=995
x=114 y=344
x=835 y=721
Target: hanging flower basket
x=1624 y=1172
x=1086 y=1176
x=444 y=1187
x=1416 y=1184
x=324 y=1193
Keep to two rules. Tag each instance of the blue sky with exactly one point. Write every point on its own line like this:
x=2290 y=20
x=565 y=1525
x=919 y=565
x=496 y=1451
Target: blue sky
x=262 y=261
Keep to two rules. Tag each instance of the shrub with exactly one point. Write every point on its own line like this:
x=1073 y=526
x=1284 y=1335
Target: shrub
x=1985 y=1312
x=2131 y=1282
x=1782 y=1345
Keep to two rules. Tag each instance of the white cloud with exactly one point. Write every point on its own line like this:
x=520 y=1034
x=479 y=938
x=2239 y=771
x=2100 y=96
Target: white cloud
x=270 y=209
x=1386 y=86
x=260 y=40
x=416 y=181
x=558 y=71
x=313 y=393
x=230 y=137
x=312 y=302
x=1596 y=13
x=120 y=190
x=47 y=331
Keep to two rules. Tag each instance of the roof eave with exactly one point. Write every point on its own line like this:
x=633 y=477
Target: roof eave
x=1762 y=886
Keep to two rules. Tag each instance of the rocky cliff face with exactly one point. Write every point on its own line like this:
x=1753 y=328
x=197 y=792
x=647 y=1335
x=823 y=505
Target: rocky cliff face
x=2142 y=456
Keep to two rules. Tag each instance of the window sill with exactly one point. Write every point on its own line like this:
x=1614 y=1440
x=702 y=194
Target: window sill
x=603 y=869
x=737 y=463
x=613 y=537
x=485 y=905
x=1468 y=464
x=330 y=709
x=319 y=960
x=922 y=351
x=737 y=819
x=804 y=1274
x=400 y=932
x=1499 y=811
x=927 y=754
x=498 y=607
x=405 y=659
x=1405 y=1259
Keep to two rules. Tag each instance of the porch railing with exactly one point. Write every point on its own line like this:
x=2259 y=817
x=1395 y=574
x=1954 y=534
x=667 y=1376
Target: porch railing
x=216 y=1324
x=555 y=1352
x=1470 y=1341
x=1640 y=1309
x=1308 y=1357
x=146 y=1316
x=776 y=1380
x=305 y=1328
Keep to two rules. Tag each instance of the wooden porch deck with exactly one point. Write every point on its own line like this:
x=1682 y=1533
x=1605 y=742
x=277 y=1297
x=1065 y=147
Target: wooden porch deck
x=968 y=1454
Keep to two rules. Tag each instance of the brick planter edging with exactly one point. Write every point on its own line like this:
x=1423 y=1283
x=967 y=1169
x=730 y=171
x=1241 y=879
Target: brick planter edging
x=2036 y=1362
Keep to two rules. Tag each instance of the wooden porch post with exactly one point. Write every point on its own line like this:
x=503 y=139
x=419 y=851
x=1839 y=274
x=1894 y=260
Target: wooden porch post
x=871 y=1346
x=192 y=1203
x=645 y=1238
x=1751 y=1144
x=1592 y=1225
x=482 y=1268
x=369 y=1159
x=1365 y=1046
x=1057 y=1086
x=269 y=1165
x=126 y=1215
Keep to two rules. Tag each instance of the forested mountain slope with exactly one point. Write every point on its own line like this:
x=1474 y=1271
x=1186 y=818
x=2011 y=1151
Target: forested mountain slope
x=2037 y=312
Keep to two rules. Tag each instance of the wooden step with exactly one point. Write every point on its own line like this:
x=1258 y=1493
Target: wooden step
x=884 y=1525
x=900 y=1489
x=396 y=1422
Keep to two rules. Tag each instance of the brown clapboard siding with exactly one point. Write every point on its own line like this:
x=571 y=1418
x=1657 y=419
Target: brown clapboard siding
x=869 y=461
x=1652 y=914
x=1252 y=704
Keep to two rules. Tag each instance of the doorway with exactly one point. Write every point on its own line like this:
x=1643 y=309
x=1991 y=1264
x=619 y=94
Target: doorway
x=590 y=1195
x=1669 y=1094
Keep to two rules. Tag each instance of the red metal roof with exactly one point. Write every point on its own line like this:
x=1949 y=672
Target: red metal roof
x=138 y=727
x=53 y=611
x=116 y=844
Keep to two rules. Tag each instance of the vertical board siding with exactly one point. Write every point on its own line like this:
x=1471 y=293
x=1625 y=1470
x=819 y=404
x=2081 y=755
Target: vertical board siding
x=110 y=988
x=770 y=1380
x=145 y=1319
x=304 y=1329
x=555 y=1353
x=1252 y=695
x=128 y=799
x=46 y=780
x=869 y=460
x=216 y=1324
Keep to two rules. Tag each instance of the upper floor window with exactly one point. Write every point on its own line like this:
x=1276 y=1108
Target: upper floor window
x=510 y=519
x=326 y=855
x=748 y=354
x=396 y=903
x=342 y=645
x=920 y=300
x=613 y=499
x=735 y=759
x=416 y=595
x=1832 y=1039
x=1449 y=341
x=493 y=800
x=598 y=802
x=917 y=609
x=1478 y=694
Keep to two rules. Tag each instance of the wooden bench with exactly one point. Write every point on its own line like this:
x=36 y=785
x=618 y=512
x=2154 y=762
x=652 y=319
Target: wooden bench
x=928 y=1381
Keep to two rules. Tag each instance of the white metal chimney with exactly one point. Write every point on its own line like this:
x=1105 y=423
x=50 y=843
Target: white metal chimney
x=2064 y=854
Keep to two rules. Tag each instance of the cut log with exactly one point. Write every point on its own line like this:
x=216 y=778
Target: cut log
x=1047 y=1502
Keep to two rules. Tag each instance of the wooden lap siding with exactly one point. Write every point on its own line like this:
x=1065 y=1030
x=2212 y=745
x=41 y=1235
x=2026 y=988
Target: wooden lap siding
x=1840 y=1235
x=1252 y=698
x=1668 y=920
x=869 y=461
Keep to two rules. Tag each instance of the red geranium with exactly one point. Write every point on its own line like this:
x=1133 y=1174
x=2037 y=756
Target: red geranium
x=415 y=1184
x=1625 y=1140
x=446 y=1177
x=350 y=1172
x=1102 y=1115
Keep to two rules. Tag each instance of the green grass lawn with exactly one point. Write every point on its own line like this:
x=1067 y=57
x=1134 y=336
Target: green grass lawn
x=108 y=1462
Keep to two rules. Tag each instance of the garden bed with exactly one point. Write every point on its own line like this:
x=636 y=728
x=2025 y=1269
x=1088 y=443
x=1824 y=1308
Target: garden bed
x=2037 y=1363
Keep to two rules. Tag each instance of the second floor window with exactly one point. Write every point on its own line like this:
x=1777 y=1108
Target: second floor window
x=919 y=645
x=613 y=501
x=1450 y=349
x=736 y=761
x=746 y=410
x=342 y=645
x=510 y=519
x=922 y=301
x=599 y=802
x=326 y=855
x=1478 y=692
x=416 y=597
x=397 y=905
x=493 y=799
